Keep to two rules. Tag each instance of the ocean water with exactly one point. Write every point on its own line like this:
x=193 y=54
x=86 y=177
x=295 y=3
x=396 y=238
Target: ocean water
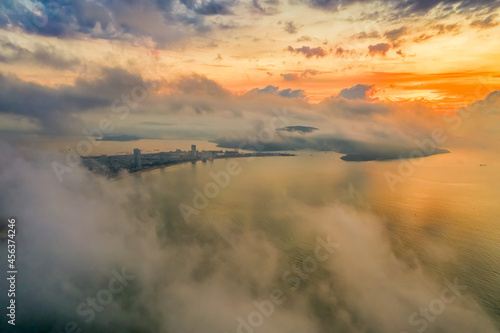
x=306 y=243
x=398 y=245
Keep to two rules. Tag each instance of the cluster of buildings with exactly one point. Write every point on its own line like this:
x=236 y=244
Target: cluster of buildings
x=193 y=155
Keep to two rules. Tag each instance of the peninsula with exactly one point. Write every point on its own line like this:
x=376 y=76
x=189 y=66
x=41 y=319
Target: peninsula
x=113 y=165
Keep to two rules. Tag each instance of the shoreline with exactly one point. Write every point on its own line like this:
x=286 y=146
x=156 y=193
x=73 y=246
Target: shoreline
x=156 y=167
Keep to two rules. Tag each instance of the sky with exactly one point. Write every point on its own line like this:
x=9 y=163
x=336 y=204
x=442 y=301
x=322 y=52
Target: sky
x=212 y=67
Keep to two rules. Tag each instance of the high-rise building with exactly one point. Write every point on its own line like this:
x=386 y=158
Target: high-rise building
x=193 y=152
x=137 y=158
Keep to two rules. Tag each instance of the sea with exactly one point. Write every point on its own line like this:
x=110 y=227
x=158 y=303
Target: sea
x=405 y=230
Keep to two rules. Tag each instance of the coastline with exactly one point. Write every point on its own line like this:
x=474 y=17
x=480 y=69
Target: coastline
x=156 y=167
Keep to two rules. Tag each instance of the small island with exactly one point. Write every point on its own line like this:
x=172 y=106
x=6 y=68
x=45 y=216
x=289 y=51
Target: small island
x=366 y=157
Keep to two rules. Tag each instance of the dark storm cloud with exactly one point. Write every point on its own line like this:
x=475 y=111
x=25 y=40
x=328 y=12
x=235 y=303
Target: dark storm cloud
x=42 y=55
x=381 y=49
x=308 y=52
x=56 y=108
x=357 y=92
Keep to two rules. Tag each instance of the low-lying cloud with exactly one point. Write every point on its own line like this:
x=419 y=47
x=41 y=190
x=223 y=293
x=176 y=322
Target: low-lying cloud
x=74 y=237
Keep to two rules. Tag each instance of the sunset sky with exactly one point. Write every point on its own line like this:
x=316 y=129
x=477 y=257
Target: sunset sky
x=441 y=54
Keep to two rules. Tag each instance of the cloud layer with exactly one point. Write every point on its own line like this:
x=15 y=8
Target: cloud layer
x=205 y=275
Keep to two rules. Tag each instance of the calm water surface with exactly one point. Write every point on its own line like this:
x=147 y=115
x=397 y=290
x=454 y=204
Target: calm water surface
x=441 y=221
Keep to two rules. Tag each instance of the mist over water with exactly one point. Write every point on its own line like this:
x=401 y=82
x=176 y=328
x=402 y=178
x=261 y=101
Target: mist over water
x=385 y=219
x=295 y=244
